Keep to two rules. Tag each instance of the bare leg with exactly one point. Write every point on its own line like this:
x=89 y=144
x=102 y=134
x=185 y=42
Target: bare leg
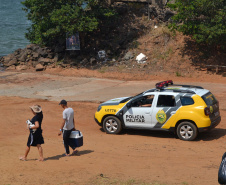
x=40 y=152
x=24 y=158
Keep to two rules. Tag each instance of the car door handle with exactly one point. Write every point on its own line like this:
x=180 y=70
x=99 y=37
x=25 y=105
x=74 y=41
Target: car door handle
x=173 y=112
x=147 y=112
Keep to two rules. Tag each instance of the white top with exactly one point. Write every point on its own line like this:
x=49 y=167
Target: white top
x=68 y=116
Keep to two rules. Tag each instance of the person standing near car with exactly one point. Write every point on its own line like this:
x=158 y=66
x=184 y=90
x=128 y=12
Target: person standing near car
x=67 y=126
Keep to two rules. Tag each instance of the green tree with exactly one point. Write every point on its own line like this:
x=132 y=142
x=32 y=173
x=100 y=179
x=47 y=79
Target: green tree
x=52 y=19
x=204 y=20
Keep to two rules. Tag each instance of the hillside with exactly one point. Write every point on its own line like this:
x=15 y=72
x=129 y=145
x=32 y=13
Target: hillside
x=122 y=40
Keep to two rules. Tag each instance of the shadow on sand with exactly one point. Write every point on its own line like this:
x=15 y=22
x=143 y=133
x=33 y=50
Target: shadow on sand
x=57 y=157
x=214 y=134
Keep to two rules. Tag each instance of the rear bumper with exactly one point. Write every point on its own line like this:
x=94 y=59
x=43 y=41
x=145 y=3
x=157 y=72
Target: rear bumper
x=213 y=125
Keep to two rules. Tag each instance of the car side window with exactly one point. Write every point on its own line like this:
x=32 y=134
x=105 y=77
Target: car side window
x=166 y=101
x=145 y=101
x=186 y=101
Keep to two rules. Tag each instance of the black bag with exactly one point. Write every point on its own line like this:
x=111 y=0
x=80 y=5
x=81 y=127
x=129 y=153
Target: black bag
x=222 y=170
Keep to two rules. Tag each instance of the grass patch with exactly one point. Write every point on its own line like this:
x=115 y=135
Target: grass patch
x=60 y=62
x=103 y=69
x=178 y=73
x=134 y=45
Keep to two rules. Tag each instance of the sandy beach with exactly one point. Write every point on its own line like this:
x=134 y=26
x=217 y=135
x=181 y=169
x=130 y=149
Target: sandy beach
x=135 y=156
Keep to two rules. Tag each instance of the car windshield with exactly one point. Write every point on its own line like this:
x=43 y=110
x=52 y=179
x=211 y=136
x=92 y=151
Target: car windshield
x=209 y=99
x=125 y=100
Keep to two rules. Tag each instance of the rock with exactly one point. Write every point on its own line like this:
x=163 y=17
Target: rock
x=56 y=58
x=42 y=52
x=153 y=11
x=18 y=51
x=39 y=67
x=23 y=57
x=35 y=55
x=8 y=58
x=45 y=61
x=21 y=67
x=29 y=64
x=12 y=67
x=92 y=61
x=50 y=55
x=32 y=47
x=12 y=62
x=128 y=55
x=84 y=61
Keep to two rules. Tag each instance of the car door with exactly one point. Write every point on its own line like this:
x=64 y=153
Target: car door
x=166 y=105
x=138 y=115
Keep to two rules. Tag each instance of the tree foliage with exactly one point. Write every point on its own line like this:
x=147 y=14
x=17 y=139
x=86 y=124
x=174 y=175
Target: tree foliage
x=204 y=20
x=53 y=19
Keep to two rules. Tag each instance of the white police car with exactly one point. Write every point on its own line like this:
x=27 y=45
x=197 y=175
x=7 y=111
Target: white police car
x=183 y=109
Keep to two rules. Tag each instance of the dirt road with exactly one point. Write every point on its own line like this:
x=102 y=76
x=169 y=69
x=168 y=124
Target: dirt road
x=132 y=157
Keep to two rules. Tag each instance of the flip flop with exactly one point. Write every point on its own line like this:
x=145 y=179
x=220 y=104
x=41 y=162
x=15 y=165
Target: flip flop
x=40 y=160
x=22 y=159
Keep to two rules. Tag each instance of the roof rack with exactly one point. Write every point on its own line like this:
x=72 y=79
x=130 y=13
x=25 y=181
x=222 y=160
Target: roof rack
x=178 y=91
x=189 y=86
x=171 y=90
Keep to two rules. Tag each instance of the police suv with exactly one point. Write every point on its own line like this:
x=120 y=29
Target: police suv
x=183 y=109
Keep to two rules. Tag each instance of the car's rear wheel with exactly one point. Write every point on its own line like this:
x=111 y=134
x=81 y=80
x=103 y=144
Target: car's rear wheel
x=187 y=131
x=112 y=125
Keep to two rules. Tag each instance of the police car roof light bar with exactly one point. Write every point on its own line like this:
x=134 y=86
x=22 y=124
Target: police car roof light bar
x=162 y=84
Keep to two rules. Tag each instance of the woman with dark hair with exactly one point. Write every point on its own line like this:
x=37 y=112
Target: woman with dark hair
x=35 y=137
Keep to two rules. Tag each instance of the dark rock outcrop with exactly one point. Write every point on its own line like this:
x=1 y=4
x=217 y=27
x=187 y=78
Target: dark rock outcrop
x=33 y=56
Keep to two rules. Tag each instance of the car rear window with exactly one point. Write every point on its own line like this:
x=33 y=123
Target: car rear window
x=209 y=99
x=166 y=101
x=186 y=101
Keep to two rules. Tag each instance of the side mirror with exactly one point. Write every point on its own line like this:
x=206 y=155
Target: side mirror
x=128 y=105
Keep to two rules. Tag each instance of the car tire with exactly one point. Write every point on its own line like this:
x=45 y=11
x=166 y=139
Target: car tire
x=112 y=125
x=187 y=131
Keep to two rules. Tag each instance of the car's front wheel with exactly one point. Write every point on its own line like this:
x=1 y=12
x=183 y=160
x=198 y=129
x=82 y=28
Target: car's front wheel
x=187 y=131
x=112 y=125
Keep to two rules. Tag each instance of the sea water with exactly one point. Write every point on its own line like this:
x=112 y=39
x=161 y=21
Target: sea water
x=13 y=26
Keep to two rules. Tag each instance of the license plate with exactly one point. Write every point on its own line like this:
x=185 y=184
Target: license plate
x=216 y=113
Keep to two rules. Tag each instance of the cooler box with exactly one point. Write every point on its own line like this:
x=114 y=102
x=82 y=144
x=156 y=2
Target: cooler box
x=76 y=139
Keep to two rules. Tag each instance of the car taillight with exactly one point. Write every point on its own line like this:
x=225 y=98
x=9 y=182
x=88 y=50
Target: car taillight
x=207 y=111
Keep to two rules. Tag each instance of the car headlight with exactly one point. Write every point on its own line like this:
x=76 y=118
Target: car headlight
x=99 y=108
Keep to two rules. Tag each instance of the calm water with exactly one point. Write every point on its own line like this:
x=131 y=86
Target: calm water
x=13 y=26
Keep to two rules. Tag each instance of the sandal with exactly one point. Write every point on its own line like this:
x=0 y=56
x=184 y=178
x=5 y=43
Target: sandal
x=39 y=160
x=66 y=155
x=23 y=159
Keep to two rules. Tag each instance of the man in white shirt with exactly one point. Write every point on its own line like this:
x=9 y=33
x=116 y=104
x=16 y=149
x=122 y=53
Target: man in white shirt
x=67 y=126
